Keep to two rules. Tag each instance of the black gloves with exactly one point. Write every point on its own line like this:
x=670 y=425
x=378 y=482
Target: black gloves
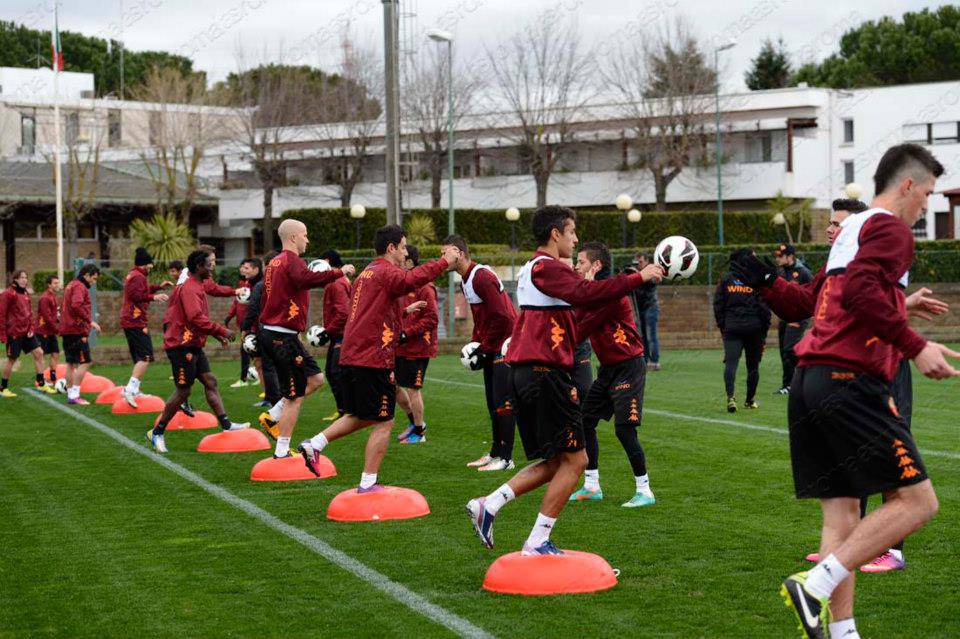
x=753 y=271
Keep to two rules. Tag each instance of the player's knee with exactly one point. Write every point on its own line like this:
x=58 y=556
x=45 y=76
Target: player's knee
x=625 y=432
x=577 y=460
x=925 y=502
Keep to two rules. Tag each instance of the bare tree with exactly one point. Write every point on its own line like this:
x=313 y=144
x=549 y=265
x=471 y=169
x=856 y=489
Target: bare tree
x=541 y=78
x=665 y=91
x=424 y=102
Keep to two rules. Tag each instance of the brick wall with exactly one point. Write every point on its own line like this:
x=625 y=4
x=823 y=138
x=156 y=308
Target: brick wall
x=36 y=255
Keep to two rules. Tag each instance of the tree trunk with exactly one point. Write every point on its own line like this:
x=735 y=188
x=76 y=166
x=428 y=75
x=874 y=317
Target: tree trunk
x=659 y=190
x=346 y=193
x=70 y=238
x=436 y=178
x=269 y=242
x=542 y=178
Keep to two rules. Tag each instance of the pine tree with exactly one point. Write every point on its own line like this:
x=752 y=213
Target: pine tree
x=771 y=68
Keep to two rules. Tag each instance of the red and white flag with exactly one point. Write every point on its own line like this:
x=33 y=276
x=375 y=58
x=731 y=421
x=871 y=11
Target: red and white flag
x=56 y=61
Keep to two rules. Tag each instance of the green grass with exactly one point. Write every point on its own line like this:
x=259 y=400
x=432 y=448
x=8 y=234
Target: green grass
x=99 y=541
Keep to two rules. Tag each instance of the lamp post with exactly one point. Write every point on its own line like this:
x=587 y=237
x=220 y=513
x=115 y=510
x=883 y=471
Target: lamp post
x=633 y=216
x=513 y=214
x=438 y=35
x=624 y=203
x=357 y=212
x=719 y=150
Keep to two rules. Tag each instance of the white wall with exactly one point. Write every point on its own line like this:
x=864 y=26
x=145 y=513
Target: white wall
x=31 y=84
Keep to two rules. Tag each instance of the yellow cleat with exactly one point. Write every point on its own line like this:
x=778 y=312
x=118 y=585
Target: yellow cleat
x=262 y=395
x=332 y=416
x=269 y=425
x=6 y=392
x=47 y=388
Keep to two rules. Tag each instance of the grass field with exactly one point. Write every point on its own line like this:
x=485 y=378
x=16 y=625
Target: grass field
x=100 y=541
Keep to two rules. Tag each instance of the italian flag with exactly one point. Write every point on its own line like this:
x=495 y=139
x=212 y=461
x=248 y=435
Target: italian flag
x=56 y=61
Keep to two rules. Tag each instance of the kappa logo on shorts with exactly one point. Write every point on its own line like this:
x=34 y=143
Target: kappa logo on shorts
x=904 y=461
x=419 y=380
x=571 y=439
x=181 y=376
x=634 y=411
x=384 y=406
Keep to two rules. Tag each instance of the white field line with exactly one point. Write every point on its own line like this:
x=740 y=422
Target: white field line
x=710 y=420
x=404 y=595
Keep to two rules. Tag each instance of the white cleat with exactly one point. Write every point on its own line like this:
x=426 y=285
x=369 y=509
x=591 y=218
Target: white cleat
x=497 y=464
x=235 y=426
x=156 y=441
x=129 y=397
x=483 y=461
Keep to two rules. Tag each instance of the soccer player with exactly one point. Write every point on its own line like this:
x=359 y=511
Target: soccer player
x=547 y=404
x=618 y=390
x=48 y=323
x=743 y=319
x=183 y=341
x=283 y=316
x=493 y=319
x=76 y=320
x=17 y=332
x=336 y=308
x=174 y=269
x=847 y=437
x=789 y=333
x=251 y=326
x=419 y=318
x=250 y=270
x=648 y=317
x=368 y=354
x=137 y=295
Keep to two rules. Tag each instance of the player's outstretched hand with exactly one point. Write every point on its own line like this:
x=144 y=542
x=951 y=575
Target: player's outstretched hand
x=652 y=272
x=348 y=269
x=753 y=271
x=160 y=297
x=921 y=304
x=96 y=327
x=166 y=284
x=419 y=305
x=932 y=361
x=452 y=255
x=228 y=337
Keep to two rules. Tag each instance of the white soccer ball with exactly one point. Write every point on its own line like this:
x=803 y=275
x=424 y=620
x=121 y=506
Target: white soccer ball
x=313 y=335
x=253 y=374
x=503 y=349
x=319 y=266
x=244 y=295
x=250 y=343
x=61 y=385
x=468 y=355
x=678 y=257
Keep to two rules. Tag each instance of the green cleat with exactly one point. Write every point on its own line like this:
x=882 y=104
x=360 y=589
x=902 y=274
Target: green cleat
x=641 y=499
x=812 y=612
x=585 y=494
x=731 y=404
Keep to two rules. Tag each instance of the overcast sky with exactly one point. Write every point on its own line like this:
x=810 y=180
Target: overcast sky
x=212 y=32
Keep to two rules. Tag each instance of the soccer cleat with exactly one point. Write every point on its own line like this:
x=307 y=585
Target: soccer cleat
x=240 y=383
x=406 y=433
x=235 y=426
x=586 y=494
x=187 y=409
x=6 y=392
x=783 y=391
x=311 y=457
x=287 y=456
x=332 y=416
x=269 y=425
x=731 y=404
x=482 y=520
x=812 y=611
x=483 y=461
x=416 y=439
x=129 y=397
x=546 y=548
x=814 y=557
x=45 y=388
x=262 y=395
x=156 y=441
x=884 y=563
x=79 y=401
x=262 y=404
x=653 y=366
x=376 y=488
x=751 y=404
x=497 y=464
x=640 y=499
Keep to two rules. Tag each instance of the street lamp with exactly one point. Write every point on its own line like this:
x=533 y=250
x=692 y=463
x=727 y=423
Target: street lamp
x=719 y=150
x=513 y=214
x=624 y=203
x=438 y=35
x=357 y=212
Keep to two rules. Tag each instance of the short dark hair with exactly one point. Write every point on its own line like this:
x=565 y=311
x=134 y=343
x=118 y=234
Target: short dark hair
x=333 y=257
x=597 y=251
x=458 y=241
x=88 y=269
x=195 y=259
x=853 y=206
x=385 y=236
x=901 y=158
x=177 y=264
x=209 y=248
x=49 y=278
x=254 y=262
x=413 y=254
x=547 y=218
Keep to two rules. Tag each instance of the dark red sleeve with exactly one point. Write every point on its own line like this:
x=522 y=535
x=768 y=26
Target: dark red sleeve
x=590 y=319
x=400 y=282
x=138 y=290
x=194 y=315
x=302 y=277
x=424 y=320
x=4 y=304
x=559 y=280
x=793 y=302
x=497 y=314
x=885 y=254
x=213 y=289
x=336 y=301
x=47 y=309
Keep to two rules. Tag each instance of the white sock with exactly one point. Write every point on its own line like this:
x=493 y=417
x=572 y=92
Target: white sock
x=367 y=480
x=897 y=553
x=844 y=629
x=283 y=447
x=498 y=498
x=643 y=483
x=823 y=578
x=319 y=442
x=276 y=410
x=73 y=392
x=133 y=386
x=541 y=530
x=591 y=479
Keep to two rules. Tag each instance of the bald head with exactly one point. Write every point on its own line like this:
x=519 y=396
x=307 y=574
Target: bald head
x=293 y=236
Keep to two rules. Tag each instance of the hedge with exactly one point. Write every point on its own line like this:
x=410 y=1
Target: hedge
x=111 y=279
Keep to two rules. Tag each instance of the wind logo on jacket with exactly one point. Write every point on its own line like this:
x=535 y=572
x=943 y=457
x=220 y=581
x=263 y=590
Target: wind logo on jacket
x=386 y=337
x=619 y=336
x=739 y=288
x=556 y=334
x=293 y=311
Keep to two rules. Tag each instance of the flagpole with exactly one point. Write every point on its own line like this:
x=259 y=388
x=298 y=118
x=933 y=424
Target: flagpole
x=58 y=182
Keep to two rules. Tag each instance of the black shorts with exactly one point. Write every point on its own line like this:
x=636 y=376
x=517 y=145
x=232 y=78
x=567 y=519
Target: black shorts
x=496 y=384
x=583 y=374
x=369 y=394
x=140 y=344
x=188 y=363
x=617 y=392
x=547 y=408
x=411 y=372
x=18 y=345
x=76 y=349
x=49 y=344
x=847 y=437
x=290 y=357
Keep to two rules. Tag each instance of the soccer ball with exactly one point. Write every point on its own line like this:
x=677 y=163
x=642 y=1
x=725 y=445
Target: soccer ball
x=678 y=257
x=61 y=385
x=319 y=266
x=250 y=343
x=253 y=374
x=315 y=335
x=244 y=295
x=468 y=355
x=503 y=349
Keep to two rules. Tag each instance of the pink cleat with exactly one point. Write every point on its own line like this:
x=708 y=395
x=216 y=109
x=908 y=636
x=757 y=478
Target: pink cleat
x=78 y=402
x=884 y=563
x=814 y=557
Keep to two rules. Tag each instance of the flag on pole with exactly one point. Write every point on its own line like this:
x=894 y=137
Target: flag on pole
x=55 y=46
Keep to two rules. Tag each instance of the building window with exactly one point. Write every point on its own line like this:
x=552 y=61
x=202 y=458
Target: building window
x=28 y=134
x=113 y=128
x=73 y=128
x=847 y=130
x=848 y=175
